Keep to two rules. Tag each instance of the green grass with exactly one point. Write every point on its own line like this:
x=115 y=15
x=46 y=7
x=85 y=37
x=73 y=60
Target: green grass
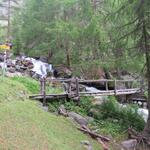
x=34 y=86
x=30 y=84
x=25 y=126
x=12 y=90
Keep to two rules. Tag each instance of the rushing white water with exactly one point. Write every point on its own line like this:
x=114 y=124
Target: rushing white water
x=91 y=89
x=3 y=65
x=144 y=113
x=40 y=67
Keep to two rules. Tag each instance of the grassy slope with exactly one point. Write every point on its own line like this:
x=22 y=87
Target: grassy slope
x=24 y=126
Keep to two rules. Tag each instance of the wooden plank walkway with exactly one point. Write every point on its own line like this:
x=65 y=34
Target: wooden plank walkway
x=111 y=92
x=48 y=96
x=85 y=94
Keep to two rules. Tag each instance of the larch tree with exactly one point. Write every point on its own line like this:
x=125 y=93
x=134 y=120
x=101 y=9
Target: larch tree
x=133 y=27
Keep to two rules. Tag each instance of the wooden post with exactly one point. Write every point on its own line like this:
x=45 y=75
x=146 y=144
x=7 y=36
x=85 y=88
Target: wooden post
x=141 y=86
x=69 y=89
x=44 y=92
x=41 y=86
x=115 y=87
x=131 y=86
x=77 y=89
x=106 y=83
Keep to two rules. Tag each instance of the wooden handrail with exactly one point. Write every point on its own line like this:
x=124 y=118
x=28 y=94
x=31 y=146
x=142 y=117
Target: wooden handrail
x=76 y=93
x=88 y=81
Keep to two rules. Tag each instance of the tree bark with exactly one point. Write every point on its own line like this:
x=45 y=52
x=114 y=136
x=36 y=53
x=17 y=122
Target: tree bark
x=68 y=57
x=67 y=45
x=146 y=131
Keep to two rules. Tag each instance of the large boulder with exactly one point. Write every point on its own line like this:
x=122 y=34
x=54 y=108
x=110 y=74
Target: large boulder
x=78 y=118
x=18 y=74
x=62 y=71
x=12 y=69
x=43 y=59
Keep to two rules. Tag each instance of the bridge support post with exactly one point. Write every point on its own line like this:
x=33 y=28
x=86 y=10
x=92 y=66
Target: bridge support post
x=106 y=84
x=43 y=90
x=40 y=86
x=77 y=90
x=115 y=87
x=141 y=86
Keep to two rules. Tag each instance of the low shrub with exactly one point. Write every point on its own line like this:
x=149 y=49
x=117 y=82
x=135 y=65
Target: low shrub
x=127 y=115
x=82 y=108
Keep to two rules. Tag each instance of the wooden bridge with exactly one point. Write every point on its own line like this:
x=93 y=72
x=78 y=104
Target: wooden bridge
x=112 y=87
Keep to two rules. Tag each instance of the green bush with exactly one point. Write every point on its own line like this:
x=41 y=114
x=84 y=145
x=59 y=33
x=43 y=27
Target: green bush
x=110 y=127
x=82 y=108
x=127 y=116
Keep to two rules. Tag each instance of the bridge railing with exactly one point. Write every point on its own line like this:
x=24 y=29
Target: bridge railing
x=107 y=83
x=118 y=87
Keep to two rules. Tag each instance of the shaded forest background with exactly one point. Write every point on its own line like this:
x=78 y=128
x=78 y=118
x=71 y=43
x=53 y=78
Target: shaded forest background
x=83 y=33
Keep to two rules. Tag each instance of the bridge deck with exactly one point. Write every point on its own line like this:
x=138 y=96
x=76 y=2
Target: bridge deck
x=84 y=94
x=111 y=92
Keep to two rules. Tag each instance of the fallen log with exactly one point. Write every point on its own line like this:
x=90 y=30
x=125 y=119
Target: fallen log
x=92 y=134
x=62 y=111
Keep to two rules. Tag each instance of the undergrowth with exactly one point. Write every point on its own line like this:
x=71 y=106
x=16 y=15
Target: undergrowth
x=110 y=118
x=127 y=116
x=82 y=108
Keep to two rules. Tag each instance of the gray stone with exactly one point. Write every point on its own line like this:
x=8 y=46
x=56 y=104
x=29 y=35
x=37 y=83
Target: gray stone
x=11 y=70
x=62 y=71
x=129 y=144
x=78 y=118
x=62 y=110
x=43 y=59
x=8 y=74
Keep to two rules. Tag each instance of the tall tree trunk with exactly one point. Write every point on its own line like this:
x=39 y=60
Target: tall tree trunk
x=67 y=45
x=147 y=55
x=50 y=54
x=68 y=57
